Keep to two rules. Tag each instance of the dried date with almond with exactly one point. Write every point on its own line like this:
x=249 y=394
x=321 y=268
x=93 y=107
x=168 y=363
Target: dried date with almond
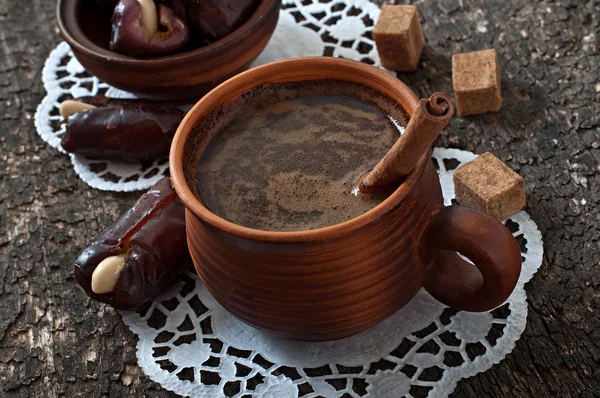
x=102 y=100
x=116 y=129
x=140 y=255
x=140 y=28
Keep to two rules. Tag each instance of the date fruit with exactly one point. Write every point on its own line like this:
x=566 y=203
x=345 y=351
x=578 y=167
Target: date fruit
x=214 y=19
x=138 y=256
x=140 y=28
x=114 y=129
x=102 y=100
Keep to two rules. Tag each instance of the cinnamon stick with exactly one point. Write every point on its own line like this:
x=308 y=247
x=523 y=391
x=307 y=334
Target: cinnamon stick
x=430 y=117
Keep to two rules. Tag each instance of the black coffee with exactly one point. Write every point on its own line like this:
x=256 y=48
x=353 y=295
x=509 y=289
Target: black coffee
x=286 y=157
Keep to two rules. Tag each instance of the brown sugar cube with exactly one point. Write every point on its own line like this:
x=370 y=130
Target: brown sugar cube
x=476 y=82
x=398 y=38
x=488 y=185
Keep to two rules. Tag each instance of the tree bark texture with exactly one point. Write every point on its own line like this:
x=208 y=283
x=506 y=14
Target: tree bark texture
x=55 y=342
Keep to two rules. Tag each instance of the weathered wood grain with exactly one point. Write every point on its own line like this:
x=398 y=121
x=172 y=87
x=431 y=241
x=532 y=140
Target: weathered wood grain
x=55 y=342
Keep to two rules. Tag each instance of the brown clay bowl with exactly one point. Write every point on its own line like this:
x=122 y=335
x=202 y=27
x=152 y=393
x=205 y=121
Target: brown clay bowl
x=336 y=281
x=188 y=75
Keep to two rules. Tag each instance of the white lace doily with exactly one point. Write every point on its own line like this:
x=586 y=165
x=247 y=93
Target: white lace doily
x=189 y=344
x=340 y=29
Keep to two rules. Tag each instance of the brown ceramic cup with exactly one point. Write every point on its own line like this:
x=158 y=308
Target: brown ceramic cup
x=336 y=281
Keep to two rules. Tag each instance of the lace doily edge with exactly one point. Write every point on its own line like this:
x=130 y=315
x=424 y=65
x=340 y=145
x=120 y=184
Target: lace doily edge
x=92 y=179
x=49 y=82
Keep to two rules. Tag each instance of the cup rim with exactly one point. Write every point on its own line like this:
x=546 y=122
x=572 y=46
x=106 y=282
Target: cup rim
x=238 y=84
x=74 y=35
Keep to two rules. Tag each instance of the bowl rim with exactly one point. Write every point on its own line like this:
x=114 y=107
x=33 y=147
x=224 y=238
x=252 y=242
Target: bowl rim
x=76 y=38
x=242 y=82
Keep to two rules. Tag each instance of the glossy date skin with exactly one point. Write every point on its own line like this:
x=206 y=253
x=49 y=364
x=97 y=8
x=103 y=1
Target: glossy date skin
x=124 y=130
x=132 y=35
x=211 y=20
x=152 y=237
x=182 y=24
x=102 y=100
x=215 y=19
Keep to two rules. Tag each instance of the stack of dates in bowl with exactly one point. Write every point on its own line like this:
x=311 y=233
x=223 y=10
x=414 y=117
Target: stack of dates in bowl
x=175 y=50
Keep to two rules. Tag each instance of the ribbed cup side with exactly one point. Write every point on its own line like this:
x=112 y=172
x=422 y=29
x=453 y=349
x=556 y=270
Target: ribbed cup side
x=324 y=289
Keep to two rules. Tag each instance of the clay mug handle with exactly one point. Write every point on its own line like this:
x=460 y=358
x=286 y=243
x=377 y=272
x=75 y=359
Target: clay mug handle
x=486 y=242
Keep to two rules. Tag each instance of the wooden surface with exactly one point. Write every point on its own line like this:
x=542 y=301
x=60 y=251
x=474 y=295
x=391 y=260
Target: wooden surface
x=55 y=342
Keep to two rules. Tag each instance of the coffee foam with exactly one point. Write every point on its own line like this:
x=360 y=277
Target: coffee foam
x=286 y=157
